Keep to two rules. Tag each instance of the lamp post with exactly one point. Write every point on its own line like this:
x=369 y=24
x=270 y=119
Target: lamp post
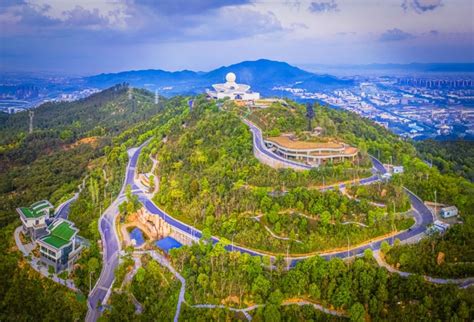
x=232 y=242
x=393 y=235
x=348 y=246
x=287 y=257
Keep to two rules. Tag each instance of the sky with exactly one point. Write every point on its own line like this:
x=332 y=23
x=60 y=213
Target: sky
x=89 y=36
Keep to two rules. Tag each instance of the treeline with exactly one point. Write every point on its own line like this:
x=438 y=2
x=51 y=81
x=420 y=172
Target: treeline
x=360 y=290
x=107 y=113
x=450 y=157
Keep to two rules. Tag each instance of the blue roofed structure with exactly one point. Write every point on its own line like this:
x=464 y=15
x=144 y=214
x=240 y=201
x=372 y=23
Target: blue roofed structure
x=167 y=244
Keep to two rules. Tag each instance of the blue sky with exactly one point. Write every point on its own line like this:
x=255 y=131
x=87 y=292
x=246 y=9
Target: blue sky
x=91 y=36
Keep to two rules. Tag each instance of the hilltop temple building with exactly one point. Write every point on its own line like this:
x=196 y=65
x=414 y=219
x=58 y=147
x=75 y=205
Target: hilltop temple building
x=230 y=89
x=312 y=153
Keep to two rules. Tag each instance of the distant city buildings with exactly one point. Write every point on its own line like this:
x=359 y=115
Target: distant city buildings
x=410 y=107
x=230 y=89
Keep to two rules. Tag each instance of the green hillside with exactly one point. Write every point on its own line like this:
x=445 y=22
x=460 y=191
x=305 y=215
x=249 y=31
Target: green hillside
x=44 y=165
x=454 y=157
x=210 y=178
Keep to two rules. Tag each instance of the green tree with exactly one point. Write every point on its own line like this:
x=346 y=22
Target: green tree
x=357 y=312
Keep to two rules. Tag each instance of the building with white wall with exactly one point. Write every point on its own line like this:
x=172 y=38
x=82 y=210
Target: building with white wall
x=448 y=212
x=312 y=153
x=232 y=90
x=33 y=218
x=59 y=248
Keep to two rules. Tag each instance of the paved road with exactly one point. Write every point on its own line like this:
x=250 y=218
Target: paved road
x=423 y=217
x=259 y=144
x=63 y=209
x=460 y=282
x=111 y=245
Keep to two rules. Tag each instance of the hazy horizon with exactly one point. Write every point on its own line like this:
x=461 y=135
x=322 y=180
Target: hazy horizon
x=336 y=69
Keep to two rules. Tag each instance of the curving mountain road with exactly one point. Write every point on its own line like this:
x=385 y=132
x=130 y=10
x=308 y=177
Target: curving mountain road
x=423 y=216
x=110 y=243
x=111 y=246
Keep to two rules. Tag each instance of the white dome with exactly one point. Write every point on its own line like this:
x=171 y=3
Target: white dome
x=230 y=77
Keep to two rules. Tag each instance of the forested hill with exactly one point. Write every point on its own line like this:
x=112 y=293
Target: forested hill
x=84 y=140
x=57 y=125
x=103 y=113
x=107 y=112
x=454 y=157
x=49 y=162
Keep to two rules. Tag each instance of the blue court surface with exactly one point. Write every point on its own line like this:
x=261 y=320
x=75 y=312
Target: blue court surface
x=168 y=243
x=137 y=234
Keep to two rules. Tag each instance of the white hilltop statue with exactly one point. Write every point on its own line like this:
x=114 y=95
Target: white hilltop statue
x=230 y=89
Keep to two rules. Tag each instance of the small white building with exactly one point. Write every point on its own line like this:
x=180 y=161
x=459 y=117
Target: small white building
x=230 y=89
x=397 y=169
x=448 y=212
x=386 y=176
x=439 y=226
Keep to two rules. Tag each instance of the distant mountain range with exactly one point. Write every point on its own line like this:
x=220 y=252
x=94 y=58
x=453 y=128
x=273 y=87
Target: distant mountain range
x=261 y=74
x=412 y=69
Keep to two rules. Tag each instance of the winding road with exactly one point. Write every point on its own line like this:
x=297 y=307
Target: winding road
x=423 y=216
x=111 y=245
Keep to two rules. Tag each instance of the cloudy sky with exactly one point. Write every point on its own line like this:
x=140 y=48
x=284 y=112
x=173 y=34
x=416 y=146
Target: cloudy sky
x=91 y=36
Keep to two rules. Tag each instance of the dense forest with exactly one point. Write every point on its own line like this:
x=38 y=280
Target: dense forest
x=210 y=179
x=450 y=157
x=450 y=254
x=359 y=289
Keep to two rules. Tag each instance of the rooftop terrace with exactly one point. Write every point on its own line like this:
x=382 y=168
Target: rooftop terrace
x=287 y=142
x=35 y=210
x=60 y=234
